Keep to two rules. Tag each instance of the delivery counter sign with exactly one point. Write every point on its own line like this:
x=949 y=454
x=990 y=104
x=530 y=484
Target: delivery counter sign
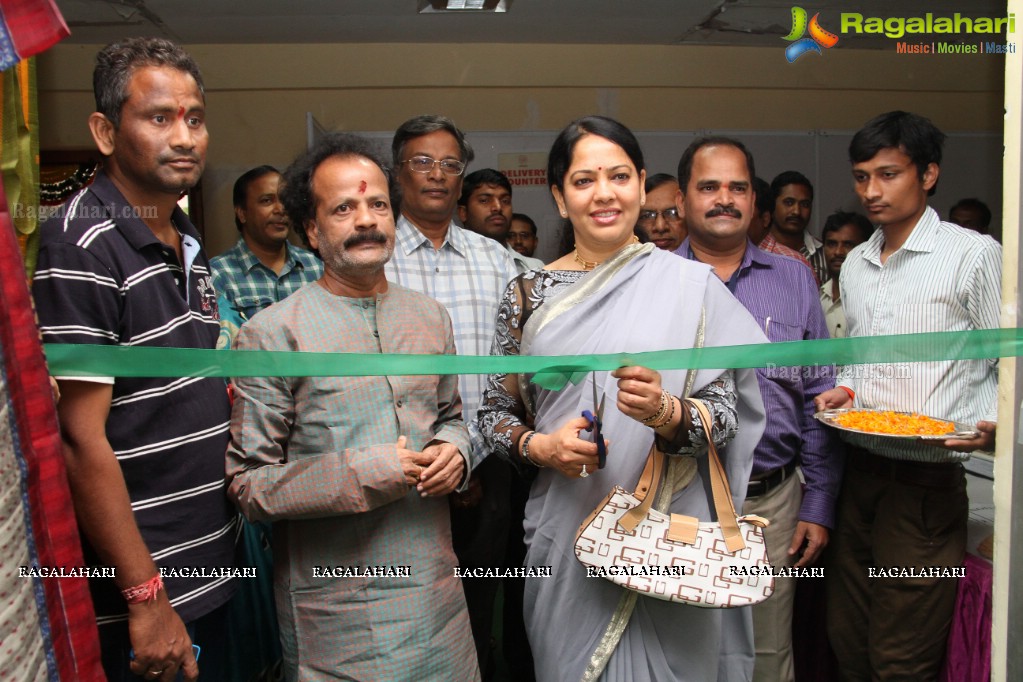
x=818 y=38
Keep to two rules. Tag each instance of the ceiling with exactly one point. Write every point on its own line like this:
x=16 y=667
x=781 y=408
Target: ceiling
x=652 y=22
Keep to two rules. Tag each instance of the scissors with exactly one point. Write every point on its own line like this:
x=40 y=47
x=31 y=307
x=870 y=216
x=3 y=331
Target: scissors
x=597 y=424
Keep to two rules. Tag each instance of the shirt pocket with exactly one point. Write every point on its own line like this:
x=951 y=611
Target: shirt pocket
x=778 y=331
x=247 y=306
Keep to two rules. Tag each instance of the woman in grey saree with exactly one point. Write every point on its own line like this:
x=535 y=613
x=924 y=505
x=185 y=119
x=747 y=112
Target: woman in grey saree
x=614 y=295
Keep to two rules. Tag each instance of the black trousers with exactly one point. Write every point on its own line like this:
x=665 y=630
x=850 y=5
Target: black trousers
x=894 y=515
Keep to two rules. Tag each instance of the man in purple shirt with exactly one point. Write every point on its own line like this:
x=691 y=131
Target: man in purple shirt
x=716 y=199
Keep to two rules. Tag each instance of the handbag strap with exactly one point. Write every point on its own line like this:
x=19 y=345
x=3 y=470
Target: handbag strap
x=646 y=487
x=645 y=490
x=720 y=489
x=719 y=485
x=649 y=478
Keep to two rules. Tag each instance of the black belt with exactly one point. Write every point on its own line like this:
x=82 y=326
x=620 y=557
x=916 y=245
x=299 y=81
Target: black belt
x=927 y=474
x=770 y=480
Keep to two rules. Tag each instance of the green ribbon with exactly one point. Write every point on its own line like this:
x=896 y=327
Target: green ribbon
x=71 y=360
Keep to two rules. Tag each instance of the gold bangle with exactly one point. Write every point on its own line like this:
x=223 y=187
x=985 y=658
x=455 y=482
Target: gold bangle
x=659 y=415
x=671 y=414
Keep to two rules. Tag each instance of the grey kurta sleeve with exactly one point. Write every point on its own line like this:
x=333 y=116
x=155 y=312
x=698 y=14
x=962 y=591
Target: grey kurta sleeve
x=267 y=484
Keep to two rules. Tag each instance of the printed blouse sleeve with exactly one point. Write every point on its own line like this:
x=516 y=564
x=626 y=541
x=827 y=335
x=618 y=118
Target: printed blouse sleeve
x=720 y=398
x=501 y=417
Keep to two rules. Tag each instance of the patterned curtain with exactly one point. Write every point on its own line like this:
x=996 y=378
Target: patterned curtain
x=47 y=624
x=19 y=134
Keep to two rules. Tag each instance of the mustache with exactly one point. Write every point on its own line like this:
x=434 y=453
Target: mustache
x=370 y=236
x=724 y=210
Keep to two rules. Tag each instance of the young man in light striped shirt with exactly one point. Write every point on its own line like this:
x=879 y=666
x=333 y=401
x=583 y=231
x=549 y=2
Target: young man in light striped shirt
x=903 y=503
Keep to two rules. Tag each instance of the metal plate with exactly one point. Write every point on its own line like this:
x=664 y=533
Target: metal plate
x=962 y=431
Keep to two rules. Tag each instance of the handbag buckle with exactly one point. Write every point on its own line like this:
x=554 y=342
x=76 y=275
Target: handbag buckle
x=683 y=529
x=758 y=521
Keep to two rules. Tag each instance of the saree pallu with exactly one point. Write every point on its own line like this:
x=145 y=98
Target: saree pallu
x=580 y=627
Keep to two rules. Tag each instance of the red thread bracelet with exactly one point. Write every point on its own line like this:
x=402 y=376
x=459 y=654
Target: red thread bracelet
x=852 y=395
x=145 y=592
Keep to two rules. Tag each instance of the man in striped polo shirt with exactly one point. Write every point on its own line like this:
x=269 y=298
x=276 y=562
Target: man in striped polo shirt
x=122 y=265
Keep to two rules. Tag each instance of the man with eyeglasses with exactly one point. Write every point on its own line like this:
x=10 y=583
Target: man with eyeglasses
x=659 y=220
x=522 y=235
x=467 y=273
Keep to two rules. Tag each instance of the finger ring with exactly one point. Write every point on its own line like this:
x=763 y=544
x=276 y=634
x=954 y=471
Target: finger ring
x=584 y=473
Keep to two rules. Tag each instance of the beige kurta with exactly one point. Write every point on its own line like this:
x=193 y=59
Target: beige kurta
x=317 y=456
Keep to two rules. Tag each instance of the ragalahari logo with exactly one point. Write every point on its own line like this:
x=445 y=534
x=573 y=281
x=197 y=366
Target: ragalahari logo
x=818 y=38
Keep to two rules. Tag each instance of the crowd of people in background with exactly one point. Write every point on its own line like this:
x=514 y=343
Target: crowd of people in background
x=396 y=510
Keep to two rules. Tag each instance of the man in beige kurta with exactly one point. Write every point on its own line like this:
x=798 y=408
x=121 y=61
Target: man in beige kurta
x=354 y=471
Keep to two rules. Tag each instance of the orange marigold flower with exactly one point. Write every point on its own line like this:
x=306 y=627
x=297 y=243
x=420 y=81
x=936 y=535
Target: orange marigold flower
x=894 y=423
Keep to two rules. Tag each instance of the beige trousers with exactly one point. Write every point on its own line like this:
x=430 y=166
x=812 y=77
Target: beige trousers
x=772 y=619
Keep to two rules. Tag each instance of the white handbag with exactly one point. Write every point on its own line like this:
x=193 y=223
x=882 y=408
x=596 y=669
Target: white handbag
x=720 y=564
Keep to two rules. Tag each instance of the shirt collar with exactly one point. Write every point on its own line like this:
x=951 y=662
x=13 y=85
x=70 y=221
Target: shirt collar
x=123 y=215
x=409 y=238
x=755 y=255
x=826 y=291
x=751 y=256
x=248 y=259
x=923 y=238
x=529 y=261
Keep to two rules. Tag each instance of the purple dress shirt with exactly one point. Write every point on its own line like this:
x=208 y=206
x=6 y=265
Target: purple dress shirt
x=781 y=294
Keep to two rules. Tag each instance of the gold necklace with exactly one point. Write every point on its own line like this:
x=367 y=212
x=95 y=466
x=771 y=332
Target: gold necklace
x=587 y=264
x=590 y=264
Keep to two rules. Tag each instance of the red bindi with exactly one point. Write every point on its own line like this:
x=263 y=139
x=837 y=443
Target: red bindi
x=181 y=112
x=362 y=187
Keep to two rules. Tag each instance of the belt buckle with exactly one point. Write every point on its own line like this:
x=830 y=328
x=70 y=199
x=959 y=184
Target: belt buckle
x=768 y=483
x=756 y=489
